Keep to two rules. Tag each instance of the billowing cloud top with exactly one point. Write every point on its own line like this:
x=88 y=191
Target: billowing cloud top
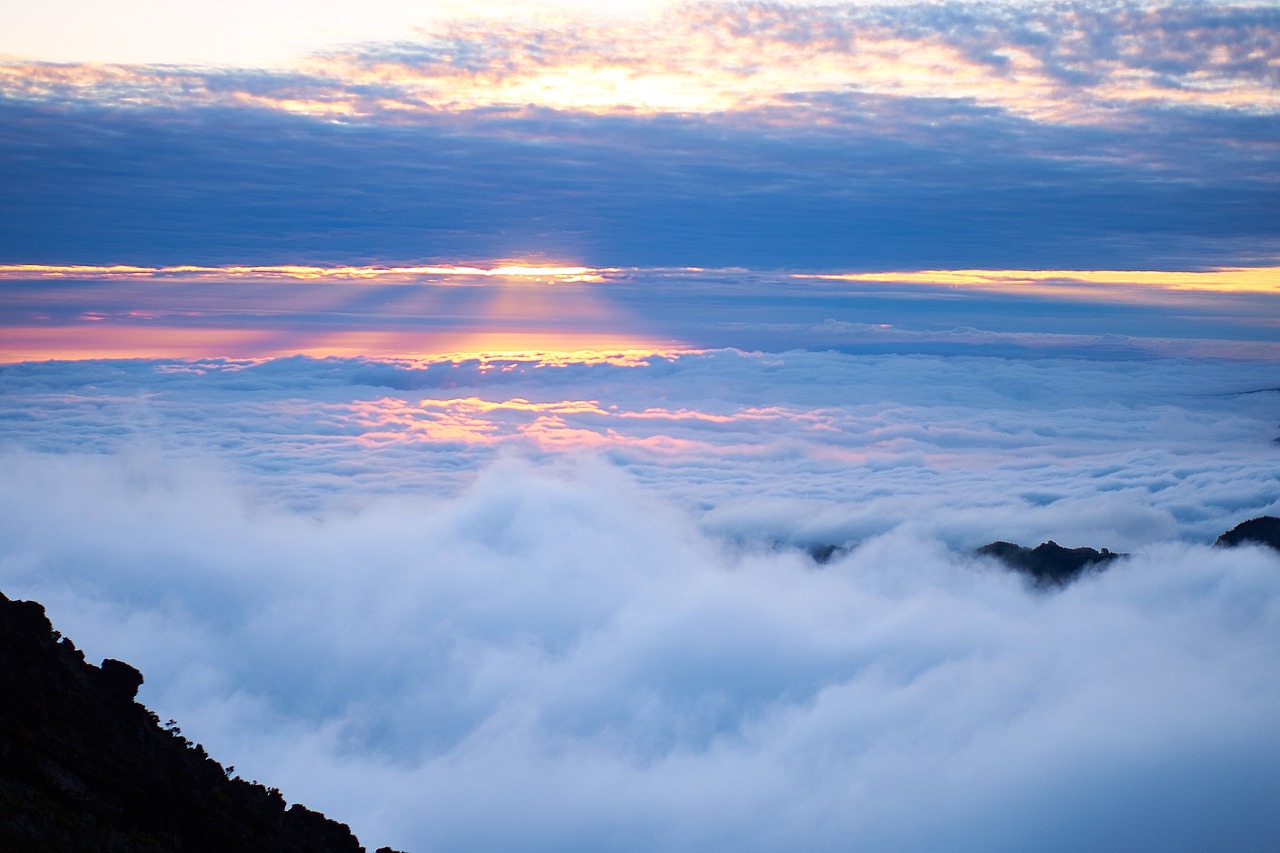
x=420 y=595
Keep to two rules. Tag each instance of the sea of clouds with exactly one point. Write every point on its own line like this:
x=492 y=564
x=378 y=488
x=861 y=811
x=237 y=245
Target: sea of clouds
x=516 y=604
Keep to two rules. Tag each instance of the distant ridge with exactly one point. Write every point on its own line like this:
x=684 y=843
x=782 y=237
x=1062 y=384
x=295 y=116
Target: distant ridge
x=1049 y=564
x=83 y=767
x=1264 y=530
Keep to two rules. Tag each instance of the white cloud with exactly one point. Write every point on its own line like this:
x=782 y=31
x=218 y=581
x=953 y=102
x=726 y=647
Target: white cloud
x=829 y=445
x=514 y=645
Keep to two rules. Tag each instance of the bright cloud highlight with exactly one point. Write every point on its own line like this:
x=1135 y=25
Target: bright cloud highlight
x=1072 y=62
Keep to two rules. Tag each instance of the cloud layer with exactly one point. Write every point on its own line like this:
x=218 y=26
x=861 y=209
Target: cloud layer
x=1134 y=448
x=556 y=605
x=49 y=311
x=540 y=666
x=1073 y=62
x=917 y=137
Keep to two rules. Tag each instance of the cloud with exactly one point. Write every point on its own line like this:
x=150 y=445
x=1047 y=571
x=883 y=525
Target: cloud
x=627 y=314
x=1071 y=62
x=561 y=647
x=921 y=186
x=939 y=137
x=835 y=447
x=380 y=587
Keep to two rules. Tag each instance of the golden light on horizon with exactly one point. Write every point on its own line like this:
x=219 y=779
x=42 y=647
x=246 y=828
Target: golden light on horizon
x=300 y=272
x=1262 y=279
x=556 y=313
x=98 y=337
x=186 y=311
x=1049 y=282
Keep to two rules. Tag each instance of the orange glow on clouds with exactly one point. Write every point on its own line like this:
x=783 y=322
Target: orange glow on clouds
x=1049 y=282
x=563 y=425
x=296 y=272
x=129 y=311
x=1221 y=279
x=551 y=314
x=97 y=336
x=699 y=59
x=98 y=339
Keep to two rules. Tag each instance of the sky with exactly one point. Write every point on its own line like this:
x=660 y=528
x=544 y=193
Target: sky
x=823 y=138
x=440 y=404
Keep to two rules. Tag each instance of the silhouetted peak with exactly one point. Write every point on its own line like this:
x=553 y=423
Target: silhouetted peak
x=1264 y=530
x=85 y=767
x=1049 y=564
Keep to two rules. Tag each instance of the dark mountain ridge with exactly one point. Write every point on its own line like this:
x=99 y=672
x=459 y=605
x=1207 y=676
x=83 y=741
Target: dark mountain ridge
x=1049 y=564
x=1052 y=565
x=85 y=767
x=1264 y=530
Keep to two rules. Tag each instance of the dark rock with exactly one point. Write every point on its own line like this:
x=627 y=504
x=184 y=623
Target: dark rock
x=1259 y=531
x=84 y=767
x=823 y=554
x=1049 y=564
x=120 y=678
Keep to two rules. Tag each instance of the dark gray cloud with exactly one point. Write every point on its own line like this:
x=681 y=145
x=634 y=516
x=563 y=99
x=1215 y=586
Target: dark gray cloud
x=1144 y=138
x=213 y=186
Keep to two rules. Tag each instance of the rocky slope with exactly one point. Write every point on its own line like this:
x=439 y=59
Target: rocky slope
x=85 y=767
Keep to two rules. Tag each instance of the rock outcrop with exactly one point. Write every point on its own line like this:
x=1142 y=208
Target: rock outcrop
x=85 y=767
x=1049 y=564
x=1264 y=530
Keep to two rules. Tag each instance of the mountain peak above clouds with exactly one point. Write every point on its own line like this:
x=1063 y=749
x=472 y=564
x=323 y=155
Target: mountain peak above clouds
x=1264 y=530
